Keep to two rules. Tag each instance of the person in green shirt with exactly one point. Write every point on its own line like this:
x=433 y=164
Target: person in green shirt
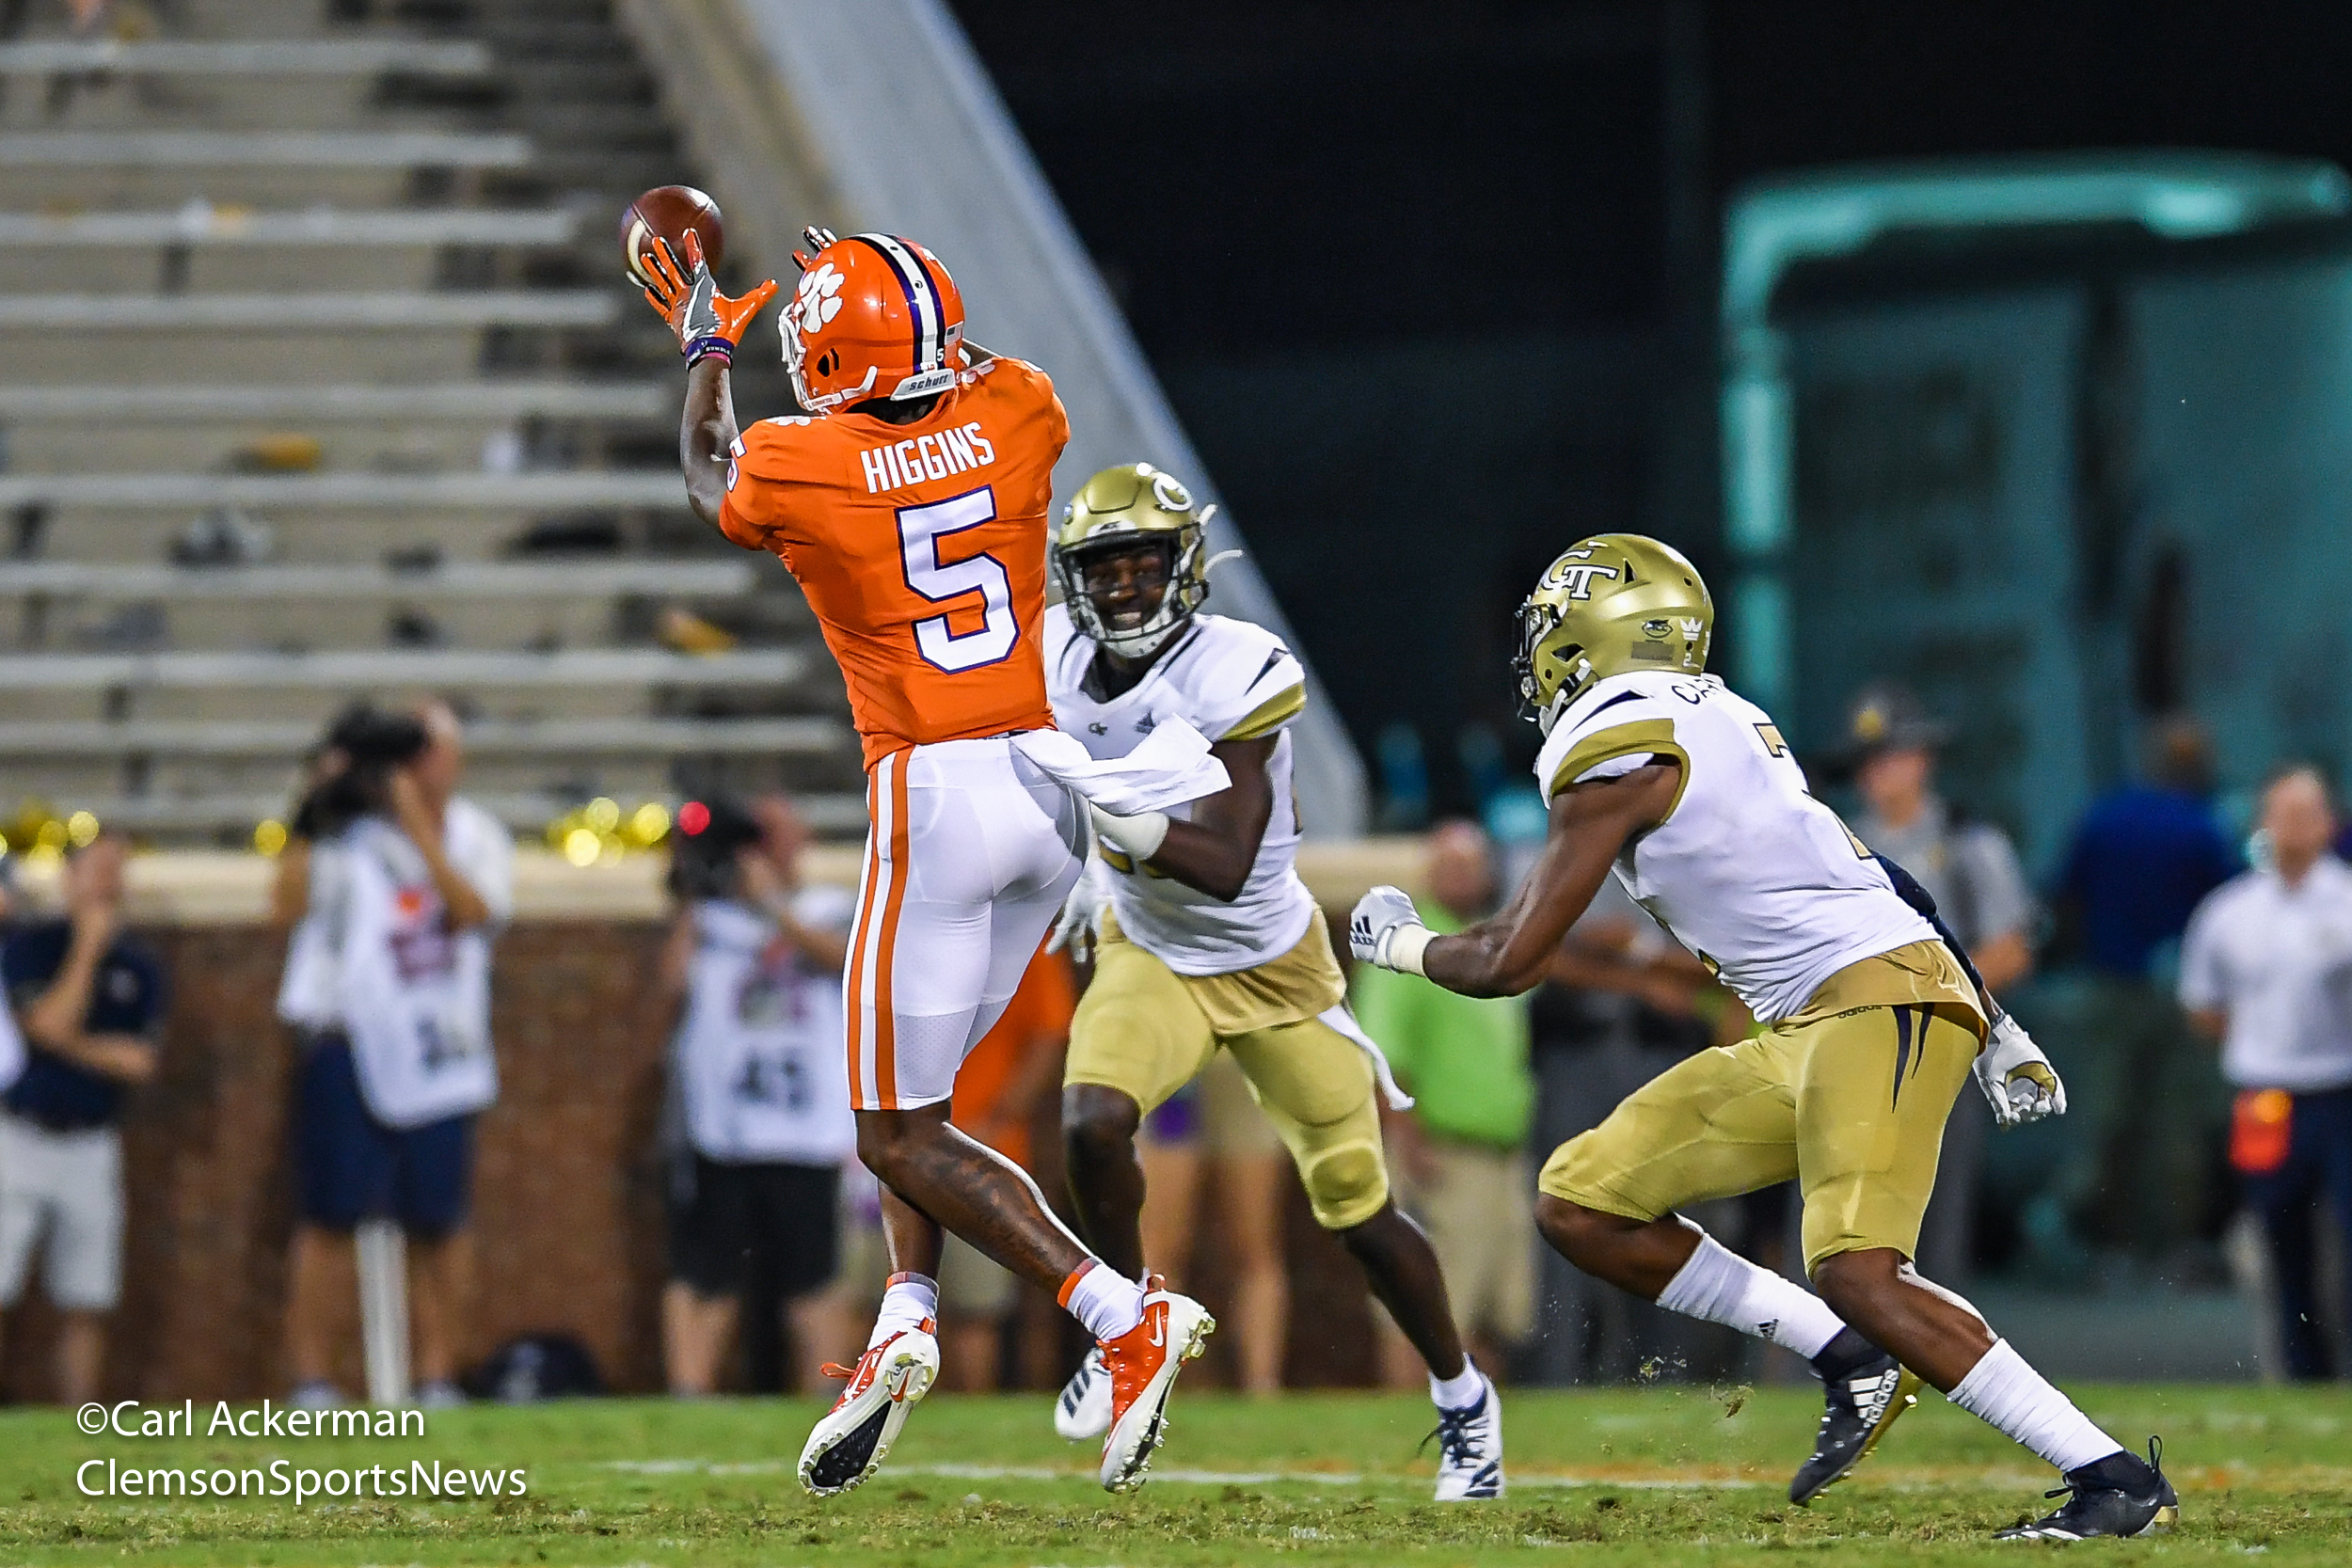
x=1459 y=1155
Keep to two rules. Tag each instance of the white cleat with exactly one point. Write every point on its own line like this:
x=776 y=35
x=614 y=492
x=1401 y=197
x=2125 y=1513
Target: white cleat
x=1084 y=1409
x=887 y=1383
x=1470 y=1448
x=1142 y=1364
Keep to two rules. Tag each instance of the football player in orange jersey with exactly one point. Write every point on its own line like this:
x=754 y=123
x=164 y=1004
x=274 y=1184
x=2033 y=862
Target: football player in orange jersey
x=910 y=501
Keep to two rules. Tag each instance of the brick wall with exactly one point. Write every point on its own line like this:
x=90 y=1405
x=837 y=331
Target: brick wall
x=567 y=1209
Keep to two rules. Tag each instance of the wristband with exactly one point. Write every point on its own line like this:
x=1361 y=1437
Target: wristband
x=1139 y=836
x=1404 y=946
x=706 y=348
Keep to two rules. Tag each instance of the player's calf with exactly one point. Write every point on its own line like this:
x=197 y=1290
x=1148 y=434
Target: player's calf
x=1099 y=1125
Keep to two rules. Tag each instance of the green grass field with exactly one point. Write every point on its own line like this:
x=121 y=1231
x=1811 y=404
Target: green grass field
x=1662 y=1474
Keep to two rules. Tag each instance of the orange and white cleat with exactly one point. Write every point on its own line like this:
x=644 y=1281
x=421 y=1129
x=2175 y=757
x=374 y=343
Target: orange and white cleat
x=887 y=1383
x=1143 y=1363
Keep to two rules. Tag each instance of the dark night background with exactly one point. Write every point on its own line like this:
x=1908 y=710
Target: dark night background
x=1431 y=283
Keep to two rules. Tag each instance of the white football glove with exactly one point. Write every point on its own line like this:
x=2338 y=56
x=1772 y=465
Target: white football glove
x=2016 y=1077
x=1386 y=930
x=1081 y=922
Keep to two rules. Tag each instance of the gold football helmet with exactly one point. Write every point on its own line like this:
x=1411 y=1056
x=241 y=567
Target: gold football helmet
x=1611 y=604
x=1118 y=509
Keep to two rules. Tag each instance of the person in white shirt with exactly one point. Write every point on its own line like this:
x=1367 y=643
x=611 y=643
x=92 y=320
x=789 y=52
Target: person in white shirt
x=392 y=887
x=760 y=1072
x=2266 y=970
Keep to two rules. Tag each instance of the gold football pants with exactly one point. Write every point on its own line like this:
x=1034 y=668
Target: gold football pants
x=1146 y=1031
x=1849 y=1099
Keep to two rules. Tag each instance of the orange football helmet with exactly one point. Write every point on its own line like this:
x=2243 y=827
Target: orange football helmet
x=875 y=316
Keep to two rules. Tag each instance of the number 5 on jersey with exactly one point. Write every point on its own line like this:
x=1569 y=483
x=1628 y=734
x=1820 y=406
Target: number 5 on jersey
x=920 y=531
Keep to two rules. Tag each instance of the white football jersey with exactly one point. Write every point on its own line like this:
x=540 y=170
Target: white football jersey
x=1748 y=870
x=1232 y=681
x=759 y=1048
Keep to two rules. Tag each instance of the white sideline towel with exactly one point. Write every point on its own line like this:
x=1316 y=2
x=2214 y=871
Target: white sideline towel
x=1342 y=1020
x=1173 y=766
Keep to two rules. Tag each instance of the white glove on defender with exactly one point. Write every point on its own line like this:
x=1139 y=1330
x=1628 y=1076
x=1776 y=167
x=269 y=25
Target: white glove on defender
x=2016 y=1077
x=1081 y=922
x=1386 y=930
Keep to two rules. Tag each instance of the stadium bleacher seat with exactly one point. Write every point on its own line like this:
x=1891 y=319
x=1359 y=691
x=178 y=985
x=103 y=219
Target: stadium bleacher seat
x=345 y=295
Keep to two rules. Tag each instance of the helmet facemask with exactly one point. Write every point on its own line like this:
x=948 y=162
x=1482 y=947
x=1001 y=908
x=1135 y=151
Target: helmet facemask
x=1134 y=634
x=1537 y=621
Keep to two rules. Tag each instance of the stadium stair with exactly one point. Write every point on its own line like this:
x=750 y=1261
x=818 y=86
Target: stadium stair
x=322 y=383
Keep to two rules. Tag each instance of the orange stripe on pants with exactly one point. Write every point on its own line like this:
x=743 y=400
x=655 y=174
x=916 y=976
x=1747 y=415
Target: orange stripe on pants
x=885 y=1019
x=854 y=984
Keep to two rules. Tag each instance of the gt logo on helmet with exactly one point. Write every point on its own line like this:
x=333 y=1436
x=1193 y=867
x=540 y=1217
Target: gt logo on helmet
x=1579 y=579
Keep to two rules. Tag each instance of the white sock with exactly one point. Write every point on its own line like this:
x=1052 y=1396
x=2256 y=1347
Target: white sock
x=1099 y=1297
x=909 y=1300
x=1717 y=1286
x=1461 y=1390
x=2017 y=1402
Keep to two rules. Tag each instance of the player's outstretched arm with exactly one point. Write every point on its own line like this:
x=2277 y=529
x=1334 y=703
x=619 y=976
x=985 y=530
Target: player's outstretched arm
x=707 y=325
x=1509 y=953
x=706 y=437
x=1216 y=849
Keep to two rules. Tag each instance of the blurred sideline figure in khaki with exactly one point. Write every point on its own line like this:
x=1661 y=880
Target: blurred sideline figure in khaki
x=1461 y=1158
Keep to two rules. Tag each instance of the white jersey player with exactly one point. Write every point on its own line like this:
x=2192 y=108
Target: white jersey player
x=1871 y=1025
x=1208 y=941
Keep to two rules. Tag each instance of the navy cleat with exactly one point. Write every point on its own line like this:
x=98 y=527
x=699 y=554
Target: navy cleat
x=1860 y=1402
x=2121 y=1496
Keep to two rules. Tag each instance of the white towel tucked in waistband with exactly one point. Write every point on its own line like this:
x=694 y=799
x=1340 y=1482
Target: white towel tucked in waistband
x=1173 y=766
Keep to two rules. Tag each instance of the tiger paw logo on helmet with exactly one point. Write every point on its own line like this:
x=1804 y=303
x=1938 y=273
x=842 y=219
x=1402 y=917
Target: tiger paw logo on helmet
x=875 y=316
x=816 y=300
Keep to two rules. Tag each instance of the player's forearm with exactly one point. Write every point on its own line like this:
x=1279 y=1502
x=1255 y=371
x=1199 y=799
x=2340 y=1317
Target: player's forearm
x=1493 y=959
x=707 y=436
x=1215 y=848
x=1212 y=861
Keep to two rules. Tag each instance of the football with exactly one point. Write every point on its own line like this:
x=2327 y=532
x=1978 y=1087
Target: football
x=666 y=212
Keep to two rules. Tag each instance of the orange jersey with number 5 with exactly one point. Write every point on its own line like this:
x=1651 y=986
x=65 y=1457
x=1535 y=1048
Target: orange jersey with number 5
x=922 y=550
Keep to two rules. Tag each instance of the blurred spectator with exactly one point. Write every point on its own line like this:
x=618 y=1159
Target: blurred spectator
x=2145 y=854
x=2142 y=1173
x=393 y=886
x=1459 y=1157
x=2265 y=969
x=1970 y=869
x=1213 y=1128
x=762 y=1093
x=89 y=1000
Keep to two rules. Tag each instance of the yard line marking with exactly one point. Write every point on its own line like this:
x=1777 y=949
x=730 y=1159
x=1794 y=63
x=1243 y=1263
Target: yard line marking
x=1190 y=1478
